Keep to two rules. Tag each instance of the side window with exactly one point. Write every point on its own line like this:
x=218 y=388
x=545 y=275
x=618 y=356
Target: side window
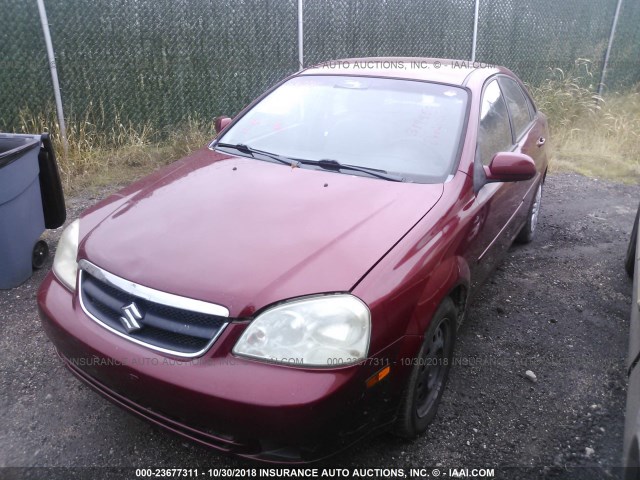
x=532 y=107
x=494 y=133
x=517 y=105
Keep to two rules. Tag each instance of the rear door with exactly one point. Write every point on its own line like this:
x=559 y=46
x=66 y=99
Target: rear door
x=529 y=136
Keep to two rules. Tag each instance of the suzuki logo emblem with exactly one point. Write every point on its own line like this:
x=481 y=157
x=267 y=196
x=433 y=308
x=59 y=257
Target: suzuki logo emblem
x=130 y=318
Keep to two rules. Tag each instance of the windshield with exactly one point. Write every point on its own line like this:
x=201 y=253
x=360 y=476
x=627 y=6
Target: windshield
x=400 y=126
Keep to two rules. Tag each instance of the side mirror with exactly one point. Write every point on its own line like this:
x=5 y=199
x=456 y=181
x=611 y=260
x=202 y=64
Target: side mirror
x=220 y=123
x=510 y=167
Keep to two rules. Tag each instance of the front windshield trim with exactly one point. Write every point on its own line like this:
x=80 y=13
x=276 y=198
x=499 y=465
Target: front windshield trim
x=455 y=164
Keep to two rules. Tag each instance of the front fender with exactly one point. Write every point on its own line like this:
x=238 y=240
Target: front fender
x=406 y=287
x=450 y=278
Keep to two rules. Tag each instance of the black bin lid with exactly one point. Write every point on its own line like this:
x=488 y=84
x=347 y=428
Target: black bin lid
x=13 y=146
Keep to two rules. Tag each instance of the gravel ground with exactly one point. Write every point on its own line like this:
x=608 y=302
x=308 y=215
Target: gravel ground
x=558 y=307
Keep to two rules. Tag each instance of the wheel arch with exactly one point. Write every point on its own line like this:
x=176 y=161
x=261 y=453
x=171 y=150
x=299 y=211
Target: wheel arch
x=451 y=278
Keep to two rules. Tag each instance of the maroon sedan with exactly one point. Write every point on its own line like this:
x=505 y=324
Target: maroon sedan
x=298 y=284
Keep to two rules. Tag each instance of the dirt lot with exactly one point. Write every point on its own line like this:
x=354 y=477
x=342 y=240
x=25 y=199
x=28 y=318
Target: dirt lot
x=558 y=307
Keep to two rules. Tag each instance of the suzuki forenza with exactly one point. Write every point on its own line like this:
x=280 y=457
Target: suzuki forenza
x=298 y=283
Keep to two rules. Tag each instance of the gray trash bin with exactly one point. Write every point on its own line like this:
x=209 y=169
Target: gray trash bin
x=21 y=213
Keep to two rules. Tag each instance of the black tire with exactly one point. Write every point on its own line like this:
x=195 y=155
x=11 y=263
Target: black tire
x=429 y=374
x=39 y=254
x=630 y=259
x=531 y=225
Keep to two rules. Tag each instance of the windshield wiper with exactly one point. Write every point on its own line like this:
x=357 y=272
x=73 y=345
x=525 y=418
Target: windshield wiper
x=329 y=164
x=324 y=163
x=241 y=147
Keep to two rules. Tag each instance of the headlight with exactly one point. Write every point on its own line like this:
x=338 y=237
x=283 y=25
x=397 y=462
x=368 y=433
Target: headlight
x=327 y=331
x=65 y=266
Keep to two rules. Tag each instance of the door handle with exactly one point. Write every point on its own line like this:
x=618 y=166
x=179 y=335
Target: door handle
x=541 y=141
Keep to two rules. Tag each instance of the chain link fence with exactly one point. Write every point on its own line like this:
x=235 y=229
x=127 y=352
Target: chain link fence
x=531 y=37
x=624 y=63
x=159 y=62
x=365 y=28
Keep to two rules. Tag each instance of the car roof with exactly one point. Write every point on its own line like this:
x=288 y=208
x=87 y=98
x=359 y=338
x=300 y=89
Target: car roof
x=440 y=70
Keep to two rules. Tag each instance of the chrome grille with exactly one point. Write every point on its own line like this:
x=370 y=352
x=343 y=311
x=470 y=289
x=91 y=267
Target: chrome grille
x=168 y=327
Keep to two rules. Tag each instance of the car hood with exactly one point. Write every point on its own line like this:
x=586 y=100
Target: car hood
x=245 y=233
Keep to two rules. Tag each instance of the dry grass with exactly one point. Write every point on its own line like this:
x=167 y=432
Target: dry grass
x=594 y=136
x=103 y=153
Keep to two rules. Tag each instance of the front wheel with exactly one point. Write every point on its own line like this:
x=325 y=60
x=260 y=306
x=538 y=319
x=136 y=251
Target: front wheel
x=429 y=374
x=529 y=229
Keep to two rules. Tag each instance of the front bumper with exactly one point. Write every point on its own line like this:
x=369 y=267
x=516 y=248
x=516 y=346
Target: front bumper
x=253 y=409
